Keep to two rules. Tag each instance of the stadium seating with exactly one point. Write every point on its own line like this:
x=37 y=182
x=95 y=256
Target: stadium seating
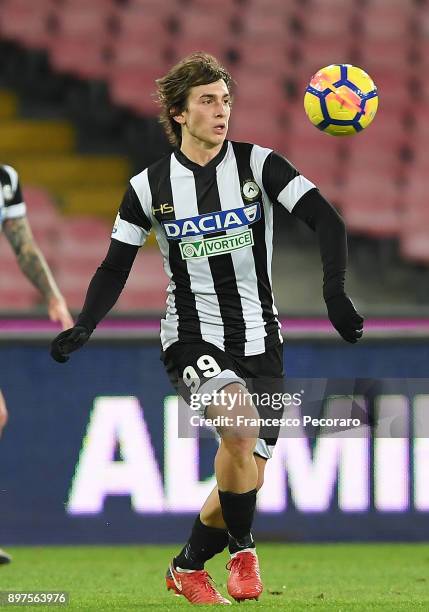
x=134 y=88
x=322 y=169
x=73 y=282
x=313 y=54
x=8 y=105
x=200 y=24
x=85 y=21
x=319 y=25
x=101 y=200
x=82 y=39
x=262 y=123
x=222 y=7
x=333 y=5
x=272 y=7
x=59 y=172
x=138 y=53
x=27 y=22
x=379 y=149
x=43 y=215
x=146 y=284
x=138 y=24
x=81 y=246
x=37 y=136
x=86 y=61
x=185 y=46
x=414 y=243
x=16 y=291
x=371 y=206
x=387 y=25
x=258 y=26
x=395 y=89
x=273 y=48
x=261 y=57
x=390 y=4
x=82 y=243
x=152 y=7
x=101 y=5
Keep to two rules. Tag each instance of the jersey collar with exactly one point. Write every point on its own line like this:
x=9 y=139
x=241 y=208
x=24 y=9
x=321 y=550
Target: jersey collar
x=185 y=161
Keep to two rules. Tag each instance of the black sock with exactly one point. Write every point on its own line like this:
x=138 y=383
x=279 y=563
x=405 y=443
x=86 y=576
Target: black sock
x=204 y=543
x=242 y=544
x=238 y=510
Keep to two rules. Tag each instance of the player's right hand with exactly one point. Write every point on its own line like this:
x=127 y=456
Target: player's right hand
x=68 y=341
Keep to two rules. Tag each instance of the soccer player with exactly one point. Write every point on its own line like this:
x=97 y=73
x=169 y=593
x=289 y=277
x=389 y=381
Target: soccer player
x=17 y=230
x=210 y=204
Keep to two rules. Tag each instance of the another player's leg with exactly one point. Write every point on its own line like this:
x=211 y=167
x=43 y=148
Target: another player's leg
x=3 y=412
x=4 y=557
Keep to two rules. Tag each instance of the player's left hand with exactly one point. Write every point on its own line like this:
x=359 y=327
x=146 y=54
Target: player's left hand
x=68 y=341
x=345 y=319
x=58 y=311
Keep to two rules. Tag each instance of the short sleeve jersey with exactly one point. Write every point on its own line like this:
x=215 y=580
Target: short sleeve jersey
x=12 y=205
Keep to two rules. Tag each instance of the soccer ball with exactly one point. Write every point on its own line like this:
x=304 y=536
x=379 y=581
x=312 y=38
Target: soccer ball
x=341 y=100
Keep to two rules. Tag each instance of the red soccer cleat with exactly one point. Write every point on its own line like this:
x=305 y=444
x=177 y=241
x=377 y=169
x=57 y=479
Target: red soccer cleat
x=197 y=587
x=244 y=580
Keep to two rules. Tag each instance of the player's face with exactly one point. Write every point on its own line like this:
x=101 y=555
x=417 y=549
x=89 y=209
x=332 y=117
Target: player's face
x=206 y=117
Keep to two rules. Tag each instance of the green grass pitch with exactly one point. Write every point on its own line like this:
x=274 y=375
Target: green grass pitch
x=340 y=577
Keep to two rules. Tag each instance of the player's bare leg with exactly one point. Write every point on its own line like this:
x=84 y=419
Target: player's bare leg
x=244 y=581
x=211 y=512
x=244 y=570
x=4 y=557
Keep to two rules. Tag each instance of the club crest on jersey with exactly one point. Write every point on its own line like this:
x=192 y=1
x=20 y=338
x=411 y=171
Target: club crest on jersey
x=250 y=190
x=212 y=222
x=116 y=224
x=7 y=192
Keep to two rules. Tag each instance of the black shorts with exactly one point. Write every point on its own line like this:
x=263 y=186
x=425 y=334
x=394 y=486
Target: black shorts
x=205 y=368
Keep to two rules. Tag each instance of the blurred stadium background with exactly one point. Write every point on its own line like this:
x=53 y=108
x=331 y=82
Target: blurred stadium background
x=77 y=119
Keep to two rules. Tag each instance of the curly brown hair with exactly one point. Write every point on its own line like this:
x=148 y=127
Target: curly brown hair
x=172 y=89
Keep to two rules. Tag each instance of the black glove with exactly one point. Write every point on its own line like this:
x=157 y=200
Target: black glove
x=68 y=341
x=345 y=319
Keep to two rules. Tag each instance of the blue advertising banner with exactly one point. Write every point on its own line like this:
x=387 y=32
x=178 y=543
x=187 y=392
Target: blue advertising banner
x=92 y=454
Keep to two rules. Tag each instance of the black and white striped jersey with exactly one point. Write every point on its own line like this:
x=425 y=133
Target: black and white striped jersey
x=214 y=227
x=11 y=202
